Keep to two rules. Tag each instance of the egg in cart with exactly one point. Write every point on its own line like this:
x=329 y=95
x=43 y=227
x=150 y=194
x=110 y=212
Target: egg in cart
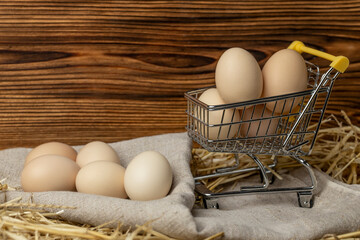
x=259 y=131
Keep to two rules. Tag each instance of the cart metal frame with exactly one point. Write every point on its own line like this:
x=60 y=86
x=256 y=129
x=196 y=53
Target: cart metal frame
x=290 y=138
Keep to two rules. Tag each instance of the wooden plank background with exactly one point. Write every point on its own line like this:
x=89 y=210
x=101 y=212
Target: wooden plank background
x=77 y=71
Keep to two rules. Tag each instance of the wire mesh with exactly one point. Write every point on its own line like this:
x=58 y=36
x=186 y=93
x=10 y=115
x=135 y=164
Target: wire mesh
x=260 y=126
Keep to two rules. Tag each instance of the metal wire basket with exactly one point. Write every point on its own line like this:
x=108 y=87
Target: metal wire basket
x=262 y=132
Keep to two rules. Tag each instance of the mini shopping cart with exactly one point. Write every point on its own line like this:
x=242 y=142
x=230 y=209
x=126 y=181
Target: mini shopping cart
x=292 y=136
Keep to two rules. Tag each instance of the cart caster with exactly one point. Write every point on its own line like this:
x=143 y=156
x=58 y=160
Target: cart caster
x=305 y=199
x=210 y=203
x=207 y=202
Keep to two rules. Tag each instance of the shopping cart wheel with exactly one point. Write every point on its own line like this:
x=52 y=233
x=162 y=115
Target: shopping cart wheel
x=210 y=203
x=305 y=199
x=205 y=193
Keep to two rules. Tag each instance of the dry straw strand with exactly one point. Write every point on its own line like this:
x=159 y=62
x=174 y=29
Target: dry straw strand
x=352 y=235
x=23 y=221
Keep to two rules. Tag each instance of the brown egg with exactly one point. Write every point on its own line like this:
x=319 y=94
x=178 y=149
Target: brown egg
x=96 y=151
x=258 y=127
x=54 y=148
x=284 y=72
x=211 y=97
x=102 y=178
x=238 y=76
x=49 y=173
x=148 y=176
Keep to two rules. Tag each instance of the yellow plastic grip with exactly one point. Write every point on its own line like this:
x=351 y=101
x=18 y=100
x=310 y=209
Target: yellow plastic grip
x=340 y=63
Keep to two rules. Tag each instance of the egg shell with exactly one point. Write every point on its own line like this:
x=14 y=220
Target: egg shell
x=258 y=127
x=49 y=173
x=212 y=97
x=102 y=178
x=285 y=72
x=54 y=148
x=148 y=176
x=96 y=151
x=238 y=76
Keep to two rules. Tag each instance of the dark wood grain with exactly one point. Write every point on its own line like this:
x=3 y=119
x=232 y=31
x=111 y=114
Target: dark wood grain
x=76 y=71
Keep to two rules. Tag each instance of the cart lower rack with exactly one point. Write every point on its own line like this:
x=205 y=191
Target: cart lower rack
x=284 y=133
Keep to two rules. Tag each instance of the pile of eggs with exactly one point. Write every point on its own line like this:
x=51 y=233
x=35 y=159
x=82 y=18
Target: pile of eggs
x=96 y=169
x=239 y=78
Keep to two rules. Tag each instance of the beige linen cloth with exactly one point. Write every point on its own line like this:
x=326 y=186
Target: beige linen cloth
x=276 y=216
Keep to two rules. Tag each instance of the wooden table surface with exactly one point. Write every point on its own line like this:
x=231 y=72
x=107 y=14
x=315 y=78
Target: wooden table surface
x=78 y=71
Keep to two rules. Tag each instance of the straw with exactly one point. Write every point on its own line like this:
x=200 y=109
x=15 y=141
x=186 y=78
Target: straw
x=21 y=221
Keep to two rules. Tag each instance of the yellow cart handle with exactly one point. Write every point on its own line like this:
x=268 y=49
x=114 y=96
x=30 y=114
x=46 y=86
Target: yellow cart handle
x=340 y=63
